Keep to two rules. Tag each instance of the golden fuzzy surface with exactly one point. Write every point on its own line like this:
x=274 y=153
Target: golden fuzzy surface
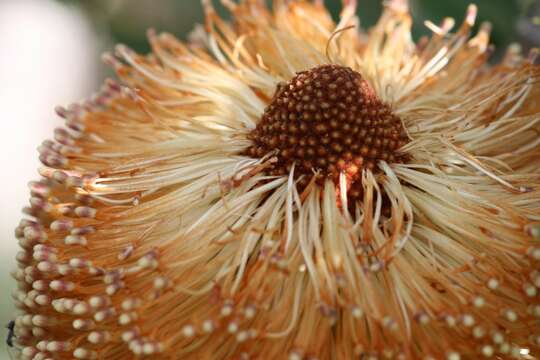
x=152 y=233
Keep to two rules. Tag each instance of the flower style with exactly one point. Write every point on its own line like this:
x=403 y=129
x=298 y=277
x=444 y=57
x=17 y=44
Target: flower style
x=285 y=187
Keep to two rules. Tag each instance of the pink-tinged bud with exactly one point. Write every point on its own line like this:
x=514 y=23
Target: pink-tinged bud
x=23 y=257
x=105 y=314
x=39 y=189
x=82 y=353
x=83 y=230
x=61 y=225
x=61 y=285
x=58 y=346
x=83 y=324
x=85 y=212
x=98 y=302
x=75 y=240
x=96 y=337
x=63 y=136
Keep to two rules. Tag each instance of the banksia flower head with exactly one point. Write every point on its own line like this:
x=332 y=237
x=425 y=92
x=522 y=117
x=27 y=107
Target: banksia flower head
x=283 y=186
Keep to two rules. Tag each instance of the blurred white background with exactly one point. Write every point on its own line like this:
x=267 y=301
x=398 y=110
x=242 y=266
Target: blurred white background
x=48 y=56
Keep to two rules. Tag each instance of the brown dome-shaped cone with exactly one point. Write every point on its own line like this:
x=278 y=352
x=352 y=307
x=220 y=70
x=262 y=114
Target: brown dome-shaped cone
x=328 y=119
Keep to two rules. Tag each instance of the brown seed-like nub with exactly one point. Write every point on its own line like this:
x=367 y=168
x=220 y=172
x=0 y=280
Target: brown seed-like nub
x=328 y=118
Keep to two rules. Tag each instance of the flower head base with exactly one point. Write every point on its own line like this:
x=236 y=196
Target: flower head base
x=327 y=118
x=173 y=218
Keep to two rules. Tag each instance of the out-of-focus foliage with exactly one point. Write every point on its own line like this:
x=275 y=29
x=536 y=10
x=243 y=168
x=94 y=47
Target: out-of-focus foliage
x=126 y=21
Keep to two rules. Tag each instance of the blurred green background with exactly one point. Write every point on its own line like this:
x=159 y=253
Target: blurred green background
x=126 y=21
x=54 y=47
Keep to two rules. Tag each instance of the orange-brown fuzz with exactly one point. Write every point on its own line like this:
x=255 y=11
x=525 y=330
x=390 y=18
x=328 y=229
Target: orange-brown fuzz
x=329 y=119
